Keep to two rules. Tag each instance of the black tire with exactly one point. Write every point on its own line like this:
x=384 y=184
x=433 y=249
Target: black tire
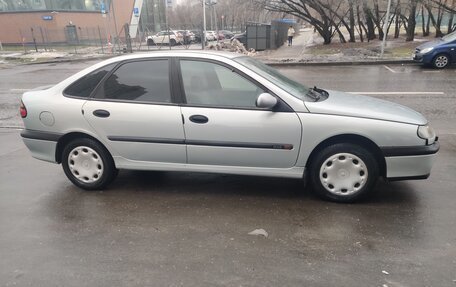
x=150 y=42
x=441 y=61
x=96 y=156
x=343 y=172
x=173 y=42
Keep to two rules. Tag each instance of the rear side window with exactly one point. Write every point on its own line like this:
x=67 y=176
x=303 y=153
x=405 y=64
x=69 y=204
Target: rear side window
x=83 y=87
x=142 y=81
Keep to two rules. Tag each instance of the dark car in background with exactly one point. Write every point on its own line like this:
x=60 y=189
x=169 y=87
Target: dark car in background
x=439 y=53
x=241 y=38
x=226 y=34
x=198 y=34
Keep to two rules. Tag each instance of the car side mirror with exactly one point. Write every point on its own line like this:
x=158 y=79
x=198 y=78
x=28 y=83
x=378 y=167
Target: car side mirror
x=266 y=101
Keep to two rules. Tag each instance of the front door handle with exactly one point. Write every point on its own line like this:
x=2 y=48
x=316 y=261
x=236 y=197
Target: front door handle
x=101 y=113
x=199 y=119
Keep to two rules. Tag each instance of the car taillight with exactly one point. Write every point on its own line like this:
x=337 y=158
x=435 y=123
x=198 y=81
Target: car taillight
x=23 y=110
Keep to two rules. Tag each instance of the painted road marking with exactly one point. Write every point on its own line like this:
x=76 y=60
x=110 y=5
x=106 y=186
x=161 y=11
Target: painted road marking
x=389 y=69
x=397 y=93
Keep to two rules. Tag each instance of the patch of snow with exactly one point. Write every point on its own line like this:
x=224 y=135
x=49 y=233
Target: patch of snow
x=259 y=232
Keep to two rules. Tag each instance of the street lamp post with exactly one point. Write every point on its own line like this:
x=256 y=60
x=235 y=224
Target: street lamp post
x=203 y=37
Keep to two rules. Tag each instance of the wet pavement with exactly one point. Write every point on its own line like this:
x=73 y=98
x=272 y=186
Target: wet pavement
x=189 y=229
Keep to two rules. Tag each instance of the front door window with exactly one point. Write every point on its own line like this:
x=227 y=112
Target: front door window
x=211 y=84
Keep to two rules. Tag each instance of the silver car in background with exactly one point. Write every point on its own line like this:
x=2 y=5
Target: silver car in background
x=221 y=113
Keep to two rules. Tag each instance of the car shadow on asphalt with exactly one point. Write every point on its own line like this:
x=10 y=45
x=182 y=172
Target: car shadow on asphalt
x=431 y=68
x=237 y=185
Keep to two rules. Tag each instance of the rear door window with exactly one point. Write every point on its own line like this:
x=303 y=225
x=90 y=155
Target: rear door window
x=83 y=87
x=139 y=81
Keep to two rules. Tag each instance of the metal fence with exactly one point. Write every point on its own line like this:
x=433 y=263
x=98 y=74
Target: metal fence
x=71 y=38
x=100 y=40
x=79 y=39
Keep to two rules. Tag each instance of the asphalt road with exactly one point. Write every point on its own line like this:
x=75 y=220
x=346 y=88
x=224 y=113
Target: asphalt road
x=172 y=229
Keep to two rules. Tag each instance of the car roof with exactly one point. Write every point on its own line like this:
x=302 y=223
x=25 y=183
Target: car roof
x=215 y=55
x=181 y=53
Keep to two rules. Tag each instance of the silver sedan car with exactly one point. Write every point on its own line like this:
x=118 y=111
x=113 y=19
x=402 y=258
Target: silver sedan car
x=221 y=113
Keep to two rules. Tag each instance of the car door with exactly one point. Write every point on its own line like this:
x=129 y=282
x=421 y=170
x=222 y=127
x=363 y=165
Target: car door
x=162 y=38
x=452 y=48
x=133 y=112
x=224 y=127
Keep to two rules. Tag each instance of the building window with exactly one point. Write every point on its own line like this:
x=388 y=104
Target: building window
x=51 y=5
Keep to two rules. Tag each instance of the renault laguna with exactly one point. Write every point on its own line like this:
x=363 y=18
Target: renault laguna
x=222 y=113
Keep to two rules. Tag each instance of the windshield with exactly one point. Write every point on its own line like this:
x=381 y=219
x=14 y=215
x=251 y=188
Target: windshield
x=294 y=88
x=449 y=37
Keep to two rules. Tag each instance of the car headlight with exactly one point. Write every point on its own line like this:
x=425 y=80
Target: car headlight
x=426 y=132
x=426 y=50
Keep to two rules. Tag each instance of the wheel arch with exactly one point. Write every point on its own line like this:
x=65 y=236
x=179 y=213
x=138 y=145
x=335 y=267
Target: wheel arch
x=65 y=139
x=353 y=139
x=448 y=54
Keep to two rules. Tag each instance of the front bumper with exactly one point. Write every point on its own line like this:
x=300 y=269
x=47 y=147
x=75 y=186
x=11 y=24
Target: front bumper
x=423 y=58
x=417 y=58
x=404 y=163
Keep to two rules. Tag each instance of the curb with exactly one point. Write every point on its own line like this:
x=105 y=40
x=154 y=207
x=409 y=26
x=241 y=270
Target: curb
x=351 y=63
x=290 y=63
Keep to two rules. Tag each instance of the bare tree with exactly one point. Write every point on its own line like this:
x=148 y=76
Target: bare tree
x=311 y=11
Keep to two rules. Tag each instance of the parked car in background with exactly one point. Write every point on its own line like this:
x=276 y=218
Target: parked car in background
x=242 y=37
x=198 y=35
x=226 y=34
x=165 y=37
x=211 y=36
x=439 y=53
x=220 y=36
x=221 y=113
x=188 y=36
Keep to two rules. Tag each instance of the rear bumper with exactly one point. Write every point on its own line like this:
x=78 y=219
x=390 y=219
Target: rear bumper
x=42 y=145
x=41 y=149
x=405 y=163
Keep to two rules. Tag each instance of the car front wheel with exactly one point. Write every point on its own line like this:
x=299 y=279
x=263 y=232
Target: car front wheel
x=343 y=172
x=88 y=164
x=441 y=61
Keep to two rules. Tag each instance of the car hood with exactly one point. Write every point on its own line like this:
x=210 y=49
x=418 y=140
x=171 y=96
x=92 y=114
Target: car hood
x=430 y=44
x=340 y=103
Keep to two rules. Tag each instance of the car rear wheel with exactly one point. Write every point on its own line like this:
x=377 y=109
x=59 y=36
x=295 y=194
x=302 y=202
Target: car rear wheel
x=173 y=42
x=441 y=61
x=88 y=164
x=150 y=42
x=343 y=172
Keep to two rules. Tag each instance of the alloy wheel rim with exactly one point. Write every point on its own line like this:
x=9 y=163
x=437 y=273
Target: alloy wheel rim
x=343 y=174
x=441 y=61
x=85 y=164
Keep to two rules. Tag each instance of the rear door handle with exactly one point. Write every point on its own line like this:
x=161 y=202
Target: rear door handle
x=199 y=119
x=101 y=113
